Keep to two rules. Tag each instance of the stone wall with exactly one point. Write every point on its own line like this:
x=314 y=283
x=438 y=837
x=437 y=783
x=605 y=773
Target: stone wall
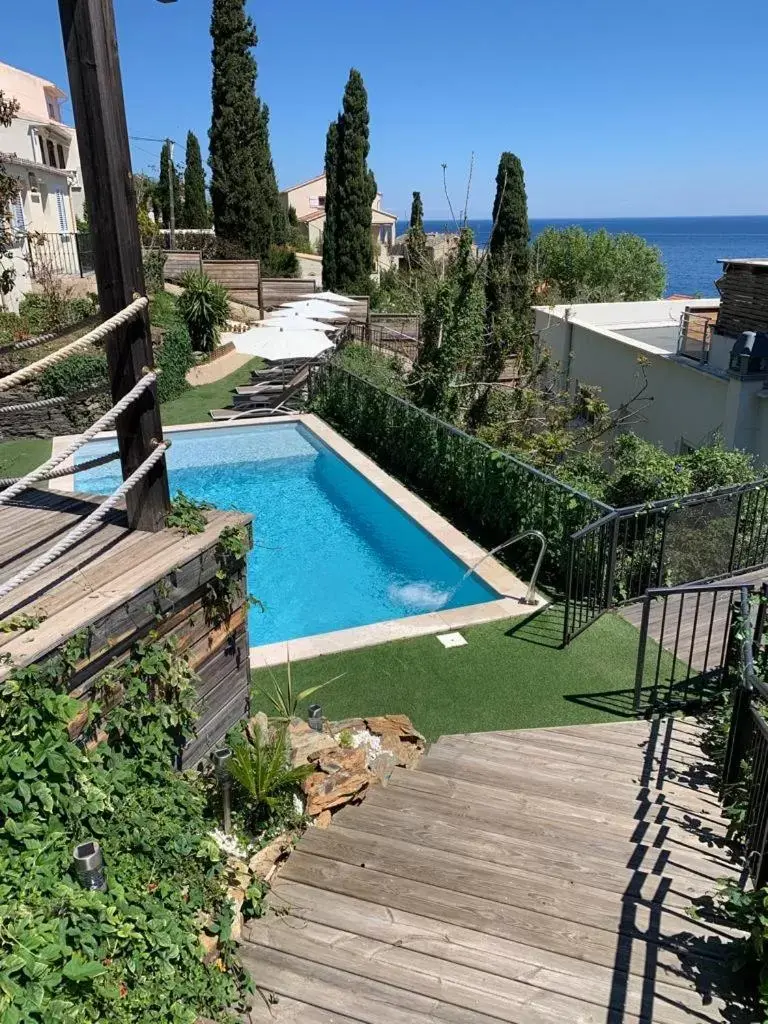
x=71 y=417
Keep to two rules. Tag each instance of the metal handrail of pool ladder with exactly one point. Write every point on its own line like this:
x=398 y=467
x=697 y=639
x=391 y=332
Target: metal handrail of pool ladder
x=530 y=597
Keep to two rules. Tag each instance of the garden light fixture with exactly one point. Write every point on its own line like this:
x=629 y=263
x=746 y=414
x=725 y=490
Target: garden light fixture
x=221 y=757
x=89 y=865
x=315 y=717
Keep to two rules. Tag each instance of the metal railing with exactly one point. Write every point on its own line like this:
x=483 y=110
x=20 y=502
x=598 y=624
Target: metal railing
x=684 y=645
x=693 y=539
x=60 y=253
x=695 y=336
x=385 y=339
x=745 y=772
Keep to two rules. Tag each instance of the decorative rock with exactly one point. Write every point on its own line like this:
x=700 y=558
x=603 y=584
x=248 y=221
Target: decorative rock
x=305 y=742
x=262 y=861
x=347 y=725
x=258 y=728
x=210 y=944
x=237 y=898
x=347 y=759
x=325 y=791
x=399 y=737
x=323 y=820
x=383 y=765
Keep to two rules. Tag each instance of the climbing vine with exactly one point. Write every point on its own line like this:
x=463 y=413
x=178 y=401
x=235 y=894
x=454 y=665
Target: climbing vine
x=224 y=587
x=129 y=955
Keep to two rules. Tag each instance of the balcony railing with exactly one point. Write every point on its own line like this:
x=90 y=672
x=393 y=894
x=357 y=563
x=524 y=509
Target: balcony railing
x=695 y=336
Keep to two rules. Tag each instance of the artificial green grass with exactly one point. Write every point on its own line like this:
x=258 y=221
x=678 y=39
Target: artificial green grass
x=194 y=405
x=511 y=675
x=20 y=456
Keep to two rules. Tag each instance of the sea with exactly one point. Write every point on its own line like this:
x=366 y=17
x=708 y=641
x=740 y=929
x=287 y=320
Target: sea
x=691 y=246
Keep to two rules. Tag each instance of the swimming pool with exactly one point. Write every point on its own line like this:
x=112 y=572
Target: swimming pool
x=331 y=551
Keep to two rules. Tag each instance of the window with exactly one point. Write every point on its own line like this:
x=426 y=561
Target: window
x=51 y=153
x=321 y=201
x=61 y=206
x=60 y=154
x=53 y=108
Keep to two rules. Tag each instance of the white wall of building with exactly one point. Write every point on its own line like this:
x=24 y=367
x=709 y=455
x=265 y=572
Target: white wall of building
x=689 y=403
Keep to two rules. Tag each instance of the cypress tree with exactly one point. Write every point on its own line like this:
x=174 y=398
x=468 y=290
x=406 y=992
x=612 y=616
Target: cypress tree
x=244 y=197
x=508 y=289
x=195 y=206
x=168 y=168
x=331 y=200
x=417 y=240
x=356 y=191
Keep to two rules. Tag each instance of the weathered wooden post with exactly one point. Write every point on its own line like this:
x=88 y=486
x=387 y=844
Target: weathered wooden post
x=90 y=42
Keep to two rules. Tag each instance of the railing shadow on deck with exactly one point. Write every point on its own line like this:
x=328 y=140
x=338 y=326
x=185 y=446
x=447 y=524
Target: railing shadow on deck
x=702 y=959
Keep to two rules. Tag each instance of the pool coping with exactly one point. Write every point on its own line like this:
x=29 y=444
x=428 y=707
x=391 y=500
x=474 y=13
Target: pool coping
x=511 y=590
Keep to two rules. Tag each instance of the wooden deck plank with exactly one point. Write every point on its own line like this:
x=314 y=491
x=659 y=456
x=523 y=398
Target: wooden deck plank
x=490 y=953
x=511 y=879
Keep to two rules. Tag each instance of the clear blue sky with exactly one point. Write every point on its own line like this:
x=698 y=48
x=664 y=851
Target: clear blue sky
x=654 y=108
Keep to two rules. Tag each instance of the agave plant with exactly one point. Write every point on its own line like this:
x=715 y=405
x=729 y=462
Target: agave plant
x=204 y=307
x=263 y=771
x=282 y=697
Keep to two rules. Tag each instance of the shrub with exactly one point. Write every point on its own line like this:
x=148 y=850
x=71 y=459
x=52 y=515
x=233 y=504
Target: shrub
x=174 y=358
x=43 y=313
x=154 y=261
x=12 y=327
x=642 y=472
x=281 y=261
x=204 y=308
x=163 y=311
x=75 y=374
x=384 y=371
x=714 y=466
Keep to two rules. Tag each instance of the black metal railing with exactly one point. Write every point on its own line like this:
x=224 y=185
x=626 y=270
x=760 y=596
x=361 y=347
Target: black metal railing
x=384 y=339
x=745 y=773
x=684 y=646
x=693 y=539
x=62 y=254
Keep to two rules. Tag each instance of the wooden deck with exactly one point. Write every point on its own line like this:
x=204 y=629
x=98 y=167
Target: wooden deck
x=118 y=585
x=539 y=877
x=695 y=641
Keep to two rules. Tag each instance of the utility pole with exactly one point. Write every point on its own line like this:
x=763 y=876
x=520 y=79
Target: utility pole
x=171 y=195
x=90 y=43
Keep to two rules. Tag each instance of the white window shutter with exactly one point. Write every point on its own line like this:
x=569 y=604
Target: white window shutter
x=62 y=208
x=17 y=214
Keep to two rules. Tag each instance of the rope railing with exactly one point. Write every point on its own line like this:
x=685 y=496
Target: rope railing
x=40 y=339
x=55 y=474
x=91 y=338
x=103 y=423
x=87 y=525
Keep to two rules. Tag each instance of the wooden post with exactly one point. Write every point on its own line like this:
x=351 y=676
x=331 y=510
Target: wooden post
x=88 y=27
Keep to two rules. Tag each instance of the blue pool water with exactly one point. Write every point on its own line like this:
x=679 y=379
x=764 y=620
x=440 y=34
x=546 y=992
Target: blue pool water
x=330 y=550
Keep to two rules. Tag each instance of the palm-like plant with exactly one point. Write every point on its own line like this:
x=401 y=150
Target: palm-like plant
x=204 y=307
x=282 y=697
x=263 y=771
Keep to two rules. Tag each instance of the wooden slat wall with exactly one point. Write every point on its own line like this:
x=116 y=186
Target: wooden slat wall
x=241 y=278
x=361 y=309
x=179 y=262
x=276 y=290
x=744 y=305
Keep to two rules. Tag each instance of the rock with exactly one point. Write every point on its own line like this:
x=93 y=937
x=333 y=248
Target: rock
x=383 y=765
x=400 y=724
x=262 y=861
x=210 y=944
x=398 y=736
x=258 y=728
x=305 y=742
x=325 y=791
x=347 y=725
x=349 y=759
x=237 y=898
x=323 y=820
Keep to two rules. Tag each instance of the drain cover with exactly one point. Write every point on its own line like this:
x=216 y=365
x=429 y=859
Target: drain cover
x=452 y=640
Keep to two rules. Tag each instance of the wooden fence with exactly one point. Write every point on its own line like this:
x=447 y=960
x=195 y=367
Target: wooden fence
x=241 y=278
x=178 y=262
x=277 y=290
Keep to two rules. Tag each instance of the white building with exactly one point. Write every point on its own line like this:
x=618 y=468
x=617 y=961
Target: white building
x=706 y=361
x=308 y=200
x=41 y=152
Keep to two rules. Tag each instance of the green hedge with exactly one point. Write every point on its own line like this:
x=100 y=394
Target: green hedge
x=74 y=375
x=486 y=492
x=174 y=358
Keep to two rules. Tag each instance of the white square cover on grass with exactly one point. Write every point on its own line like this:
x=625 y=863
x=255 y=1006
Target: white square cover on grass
x=452 y=640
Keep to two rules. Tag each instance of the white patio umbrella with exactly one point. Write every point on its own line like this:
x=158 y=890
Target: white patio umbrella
x=333 y=297
x=274 y=343
x=316 y=309
x=295 y=322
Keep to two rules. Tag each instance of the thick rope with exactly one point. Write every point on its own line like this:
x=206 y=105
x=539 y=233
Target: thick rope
x=43 y=403
x=104 y=423
x=91 y=338
x=101 y=460
x=41 y=339
x=87 y=525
